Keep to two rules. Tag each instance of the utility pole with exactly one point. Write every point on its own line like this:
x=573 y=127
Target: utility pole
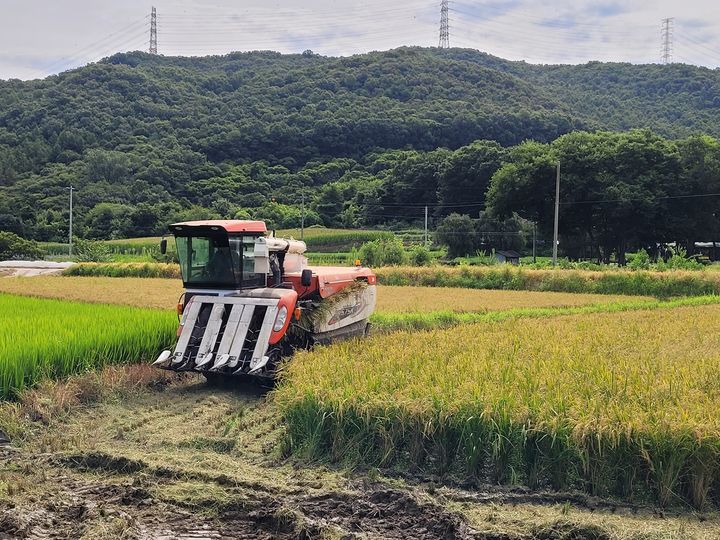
x=153 y=31
x=666 y=37
x=70 y=236
x=302 y=219
x=426 y=224
x=534 y=240
x=557 y=214
x=444 y=42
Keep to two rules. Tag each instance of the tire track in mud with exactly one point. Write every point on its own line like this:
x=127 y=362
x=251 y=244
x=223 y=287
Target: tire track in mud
x=376 y=511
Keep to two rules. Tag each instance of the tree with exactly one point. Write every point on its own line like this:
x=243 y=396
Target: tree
x=109 y=220
x=13 y=247
x=613 y=191
x=466 y=177
x=457 y=232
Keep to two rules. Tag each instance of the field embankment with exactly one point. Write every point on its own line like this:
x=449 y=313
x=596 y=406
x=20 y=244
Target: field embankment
x=624 y=282
x=623 y=404
x=41 y=338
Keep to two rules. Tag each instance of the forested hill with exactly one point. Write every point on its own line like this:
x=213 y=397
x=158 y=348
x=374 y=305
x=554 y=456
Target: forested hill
x=250 y=106
x=137 y=128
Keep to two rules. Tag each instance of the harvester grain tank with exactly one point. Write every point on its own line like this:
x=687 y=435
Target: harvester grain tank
x=251 y=300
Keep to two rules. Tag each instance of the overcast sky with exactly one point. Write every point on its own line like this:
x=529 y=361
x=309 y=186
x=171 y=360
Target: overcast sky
x=42 y=37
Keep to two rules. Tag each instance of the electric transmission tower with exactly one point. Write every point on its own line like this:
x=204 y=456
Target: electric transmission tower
x=444 y=26
x=153 y=31
x=666 y=36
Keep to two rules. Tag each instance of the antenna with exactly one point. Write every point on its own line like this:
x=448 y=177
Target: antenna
x=666 y=37
x=444 y=26
x=153 y=31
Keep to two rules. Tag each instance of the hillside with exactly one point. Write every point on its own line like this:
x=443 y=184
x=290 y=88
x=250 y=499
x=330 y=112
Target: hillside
x=204 y=132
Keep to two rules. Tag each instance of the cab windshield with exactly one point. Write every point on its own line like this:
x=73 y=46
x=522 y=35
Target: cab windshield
x=218 y=261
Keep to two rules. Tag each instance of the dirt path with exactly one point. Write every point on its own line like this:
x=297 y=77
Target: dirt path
x=31 y=268
x=196 y=462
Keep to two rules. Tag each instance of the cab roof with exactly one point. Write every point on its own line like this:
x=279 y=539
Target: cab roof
x=229 y=225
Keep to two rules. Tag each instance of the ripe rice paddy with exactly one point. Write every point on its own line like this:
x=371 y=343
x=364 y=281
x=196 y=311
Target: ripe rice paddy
x=41 y=338
x=164 y=293
x=623 y=403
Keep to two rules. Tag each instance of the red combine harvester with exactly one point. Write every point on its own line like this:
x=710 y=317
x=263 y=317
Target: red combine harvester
x=251 y=300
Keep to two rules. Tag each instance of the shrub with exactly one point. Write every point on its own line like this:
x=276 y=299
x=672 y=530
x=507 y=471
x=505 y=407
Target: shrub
x=90 y=251
x=639 y=260
x=14 y=247
x=420 y=256
x=680 y=261
x=383 y=252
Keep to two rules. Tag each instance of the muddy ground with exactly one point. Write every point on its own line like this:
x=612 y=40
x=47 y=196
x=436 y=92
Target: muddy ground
x=191 y=461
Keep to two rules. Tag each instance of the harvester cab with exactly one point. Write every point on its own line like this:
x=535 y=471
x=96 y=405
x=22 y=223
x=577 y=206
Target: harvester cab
x=251 y=300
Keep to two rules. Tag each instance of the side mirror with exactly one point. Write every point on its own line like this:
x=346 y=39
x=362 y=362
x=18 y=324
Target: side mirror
x=163 y=246
x=306 y=278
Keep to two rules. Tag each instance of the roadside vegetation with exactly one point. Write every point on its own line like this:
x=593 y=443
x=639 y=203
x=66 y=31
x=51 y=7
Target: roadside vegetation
x=623 y=403
x=643 y=283
x=121 y=270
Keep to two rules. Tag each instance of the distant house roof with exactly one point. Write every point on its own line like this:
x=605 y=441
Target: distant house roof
x=509 y=254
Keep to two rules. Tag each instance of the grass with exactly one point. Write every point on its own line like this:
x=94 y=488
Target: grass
x=41 y=338
x=614 y=403
x=658 y=284
x=164 y=293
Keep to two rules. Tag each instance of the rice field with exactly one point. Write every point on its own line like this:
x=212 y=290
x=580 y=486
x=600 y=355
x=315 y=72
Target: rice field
x=164 y=293
x=625 y=404
x=42 y=338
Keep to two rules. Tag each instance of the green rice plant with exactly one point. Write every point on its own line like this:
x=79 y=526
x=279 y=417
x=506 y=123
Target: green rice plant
x=624 y=403
x=41 y=338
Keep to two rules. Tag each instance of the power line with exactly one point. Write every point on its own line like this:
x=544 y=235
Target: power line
x=122 y=33
x=653 y=199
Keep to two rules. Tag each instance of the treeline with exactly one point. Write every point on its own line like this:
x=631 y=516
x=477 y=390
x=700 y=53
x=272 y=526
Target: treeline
x=365 y=141
x=619 y=192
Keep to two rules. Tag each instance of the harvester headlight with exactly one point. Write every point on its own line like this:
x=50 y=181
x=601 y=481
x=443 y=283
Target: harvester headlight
x=280 y=319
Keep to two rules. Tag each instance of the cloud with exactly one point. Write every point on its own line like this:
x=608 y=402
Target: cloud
x=606 y=10
x=486 y=10
x=566 y=22
x=73 y=32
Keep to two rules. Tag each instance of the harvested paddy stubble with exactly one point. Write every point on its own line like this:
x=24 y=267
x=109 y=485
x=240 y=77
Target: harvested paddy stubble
x=50 y=338
x=625 y=403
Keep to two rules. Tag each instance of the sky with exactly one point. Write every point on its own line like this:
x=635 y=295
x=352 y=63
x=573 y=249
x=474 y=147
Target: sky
x=43 y=37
